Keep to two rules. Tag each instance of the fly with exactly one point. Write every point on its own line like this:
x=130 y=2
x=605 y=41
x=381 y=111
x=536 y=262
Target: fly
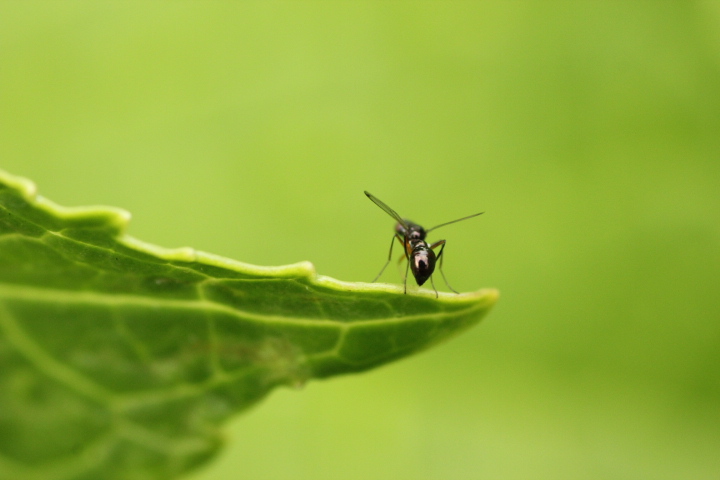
x=420 y=256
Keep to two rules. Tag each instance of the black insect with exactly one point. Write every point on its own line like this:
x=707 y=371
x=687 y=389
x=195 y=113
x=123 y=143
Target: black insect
x=420 y=256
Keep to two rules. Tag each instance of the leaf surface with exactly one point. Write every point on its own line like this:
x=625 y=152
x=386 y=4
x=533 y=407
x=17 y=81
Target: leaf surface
x=119 y=359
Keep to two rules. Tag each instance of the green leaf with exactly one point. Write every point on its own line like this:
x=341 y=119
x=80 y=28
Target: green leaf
x=120 y=359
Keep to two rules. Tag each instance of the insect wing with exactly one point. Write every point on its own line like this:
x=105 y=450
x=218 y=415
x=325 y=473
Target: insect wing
x=387 y=209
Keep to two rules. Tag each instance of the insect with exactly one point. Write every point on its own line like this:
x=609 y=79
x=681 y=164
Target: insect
x=420 y=256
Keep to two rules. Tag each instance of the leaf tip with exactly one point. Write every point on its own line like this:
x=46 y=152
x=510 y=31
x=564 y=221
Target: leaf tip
x=489 y=295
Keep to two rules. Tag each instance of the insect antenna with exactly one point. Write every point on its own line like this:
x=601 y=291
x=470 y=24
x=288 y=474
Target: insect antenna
x=454 y=221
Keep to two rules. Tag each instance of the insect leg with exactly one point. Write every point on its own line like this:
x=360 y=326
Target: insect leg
x=441 y=244
x=432 y=282
x=399 y=262
x=392 y=243
x=406 y=273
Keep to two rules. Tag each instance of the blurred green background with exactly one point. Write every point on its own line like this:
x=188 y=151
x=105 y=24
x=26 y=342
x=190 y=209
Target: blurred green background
x=589 y=132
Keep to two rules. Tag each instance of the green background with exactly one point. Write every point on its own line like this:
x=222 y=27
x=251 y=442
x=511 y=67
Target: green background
x=589 y=133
